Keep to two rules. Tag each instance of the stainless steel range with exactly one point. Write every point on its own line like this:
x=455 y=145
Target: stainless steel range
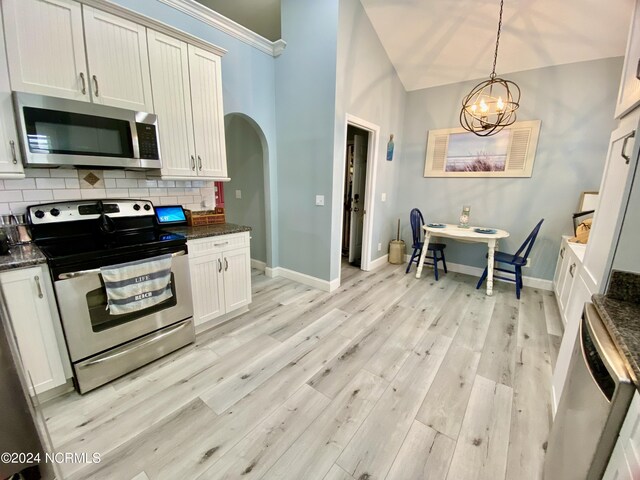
x=80 y=237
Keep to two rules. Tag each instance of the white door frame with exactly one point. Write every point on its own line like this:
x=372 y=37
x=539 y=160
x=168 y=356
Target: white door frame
x=370 y=183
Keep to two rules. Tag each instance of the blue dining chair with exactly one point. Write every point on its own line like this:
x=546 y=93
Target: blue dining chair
x=417 y=221
x=517 y=260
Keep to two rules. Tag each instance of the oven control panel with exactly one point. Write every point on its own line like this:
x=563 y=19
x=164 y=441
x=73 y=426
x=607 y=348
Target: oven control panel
x=87 y=210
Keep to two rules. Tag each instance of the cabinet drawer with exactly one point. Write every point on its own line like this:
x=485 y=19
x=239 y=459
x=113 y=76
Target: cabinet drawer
x=220 y=243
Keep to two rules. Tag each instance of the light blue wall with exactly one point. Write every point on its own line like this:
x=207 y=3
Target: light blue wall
x=248 y=82
x=305 y=95
x=575 y=103
x=245 y=168
x=368 y=87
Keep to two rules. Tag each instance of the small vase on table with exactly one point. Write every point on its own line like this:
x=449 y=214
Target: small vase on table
x=464 y=217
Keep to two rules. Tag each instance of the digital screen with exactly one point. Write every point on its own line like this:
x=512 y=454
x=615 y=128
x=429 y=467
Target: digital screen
x=170 y=214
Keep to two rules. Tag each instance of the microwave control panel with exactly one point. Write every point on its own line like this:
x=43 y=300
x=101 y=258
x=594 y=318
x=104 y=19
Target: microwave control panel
x=148 y=141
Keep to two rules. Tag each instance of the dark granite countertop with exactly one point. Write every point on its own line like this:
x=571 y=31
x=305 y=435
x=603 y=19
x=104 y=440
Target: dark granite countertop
x=619 y=309
x=209 y=230
x=21 y=256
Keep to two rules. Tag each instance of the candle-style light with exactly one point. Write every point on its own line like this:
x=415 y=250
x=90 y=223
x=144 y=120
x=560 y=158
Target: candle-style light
x=492 y=104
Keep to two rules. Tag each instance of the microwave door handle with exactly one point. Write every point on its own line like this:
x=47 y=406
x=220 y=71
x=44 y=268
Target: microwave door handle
x=95 y=271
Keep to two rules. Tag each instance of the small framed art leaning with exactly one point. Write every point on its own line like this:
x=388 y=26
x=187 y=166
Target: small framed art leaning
x=454 y=152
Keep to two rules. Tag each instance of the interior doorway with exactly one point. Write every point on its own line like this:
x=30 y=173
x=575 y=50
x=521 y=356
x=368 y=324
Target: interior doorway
x=355 y=195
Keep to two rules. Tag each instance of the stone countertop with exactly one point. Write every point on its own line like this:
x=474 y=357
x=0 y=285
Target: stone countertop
x=21 y=256
x=208 y=230
x=620 y=312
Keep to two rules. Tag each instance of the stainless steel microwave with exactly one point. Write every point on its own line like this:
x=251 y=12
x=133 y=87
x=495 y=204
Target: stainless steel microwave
x=56 y=132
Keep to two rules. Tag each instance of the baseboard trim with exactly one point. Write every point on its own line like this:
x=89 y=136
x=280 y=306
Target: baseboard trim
x=532 y=282
x=379 y=262
x=258 y=264
x=315 y=282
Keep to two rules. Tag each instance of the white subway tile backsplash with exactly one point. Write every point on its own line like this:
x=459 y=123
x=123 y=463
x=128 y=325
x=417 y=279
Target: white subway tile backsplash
x=4 y=208
x=20 y=184
x=113 y=174
x=69 y=194
x=72 y=183
x=132 y=174
x=42 y=183
x=126 y=183
x=37 y=172
x=168 y=200
x=93 y=193
x=117 y=193
x=11 y=196
x=37 y=195
x=62 y=173
x=147 y=183
x=139 y=192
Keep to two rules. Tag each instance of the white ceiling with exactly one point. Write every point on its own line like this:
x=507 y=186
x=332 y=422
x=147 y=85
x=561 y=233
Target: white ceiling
x=436 y=42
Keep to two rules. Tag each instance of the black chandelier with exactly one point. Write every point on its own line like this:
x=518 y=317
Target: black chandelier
x=492 y=104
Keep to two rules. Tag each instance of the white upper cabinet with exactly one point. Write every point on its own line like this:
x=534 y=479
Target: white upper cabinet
x=629 y=94
x=45 y=47
x=169 y=61
x=10 y=163
x=46 y=52
x=118 y=61
x=613 y=197
x=208 y=114
x=187 y=95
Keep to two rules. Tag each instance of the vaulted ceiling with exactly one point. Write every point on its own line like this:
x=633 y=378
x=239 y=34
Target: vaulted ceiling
x=437 y=42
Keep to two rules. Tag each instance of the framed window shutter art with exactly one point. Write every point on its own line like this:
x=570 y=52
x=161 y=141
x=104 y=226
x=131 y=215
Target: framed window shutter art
x=455 y=153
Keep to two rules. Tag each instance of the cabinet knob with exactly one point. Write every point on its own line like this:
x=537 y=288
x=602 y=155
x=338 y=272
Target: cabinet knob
x=199 y=163
x=572 y=269
x=226 y=264
x=193 y=163
x=219 y=266
x=562 y=252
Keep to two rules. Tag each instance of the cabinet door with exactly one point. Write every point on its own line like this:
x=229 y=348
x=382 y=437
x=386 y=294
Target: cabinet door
x=614 y=192
x=10 y=161
x=118 y=61
x=45 y=47
x=169 y=61
x=237 y=278
x=618 y=467
x=32 y=321
x=580 y=293
x=208 y=114
x=561 y=269
x=207 y=288
x=573 y=264
x=629 y=94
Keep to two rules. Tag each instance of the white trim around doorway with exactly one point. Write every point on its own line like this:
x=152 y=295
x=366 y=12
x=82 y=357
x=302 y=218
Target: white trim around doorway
x=370 y=183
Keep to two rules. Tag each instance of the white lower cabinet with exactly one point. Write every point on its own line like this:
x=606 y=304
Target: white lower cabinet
x=36 y=325
x=568 y=267
x=220 y=275
x=624 y=463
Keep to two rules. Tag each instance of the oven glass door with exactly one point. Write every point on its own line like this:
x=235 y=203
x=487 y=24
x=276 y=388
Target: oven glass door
x=66 y=133
x=90 y=329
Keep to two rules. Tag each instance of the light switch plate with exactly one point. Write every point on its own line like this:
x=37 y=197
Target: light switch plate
x=238 y=193
x=384 y=197
x=320 y=200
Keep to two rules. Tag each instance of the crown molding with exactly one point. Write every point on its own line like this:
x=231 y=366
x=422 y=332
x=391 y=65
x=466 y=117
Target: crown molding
x=226 y=25
x=115 y=9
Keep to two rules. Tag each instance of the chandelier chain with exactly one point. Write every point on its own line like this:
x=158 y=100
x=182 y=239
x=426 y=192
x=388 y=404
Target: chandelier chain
x=495 y=55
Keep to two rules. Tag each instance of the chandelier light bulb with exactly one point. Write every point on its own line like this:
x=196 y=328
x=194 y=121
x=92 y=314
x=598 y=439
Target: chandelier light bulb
x=500 y=104
x=484 y=108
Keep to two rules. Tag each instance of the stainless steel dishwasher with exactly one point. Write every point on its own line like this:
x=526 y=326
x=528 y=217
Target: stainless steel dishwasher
x=593 y=405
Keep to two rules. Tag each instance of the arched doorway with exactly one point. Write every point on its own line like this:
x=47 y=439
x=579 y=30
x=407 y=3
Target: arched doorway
x=245 y=197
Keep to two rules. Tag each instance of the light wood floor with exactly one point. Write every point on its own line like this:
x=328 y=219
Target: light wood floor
x=388 y=377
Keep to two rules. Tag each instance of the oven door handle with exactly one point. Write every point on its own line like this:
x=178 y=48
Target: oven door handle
x=128 y=348
x=67 y=276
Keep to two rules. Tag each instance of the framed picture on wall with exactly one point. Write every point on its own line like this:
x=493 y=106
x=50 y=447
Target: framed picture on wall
x=454 y=152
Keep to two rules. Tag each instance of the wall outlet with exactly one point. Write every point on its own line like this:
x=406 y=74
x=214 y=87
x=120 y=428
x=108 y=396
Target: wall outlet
x=379 y=247
x=320 y=200
x=384 y=197
x=238 y=193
